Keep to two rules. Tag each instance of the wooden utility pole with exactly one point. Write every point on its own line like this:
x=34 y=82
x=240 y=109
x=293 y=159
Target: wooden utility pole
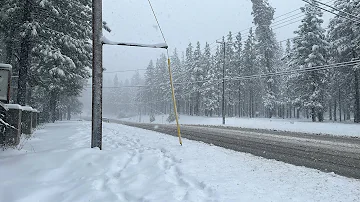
x=97 y=78
x=97 y=70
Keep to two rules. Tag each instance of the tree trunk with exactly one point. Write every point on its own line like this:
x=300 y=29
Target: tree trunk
x=330 y=112
x=24 y=58
x=357 y=97
x=335 y=109
x=287 y=112
x=68 y=113
x=340 y=105
x=307 y=113
x=53 y=101
x=60 y=115
x=348 y=114
x=283 y=111
x=313 y=114
x=298 y=113
x=321 y=115
x=290 y=111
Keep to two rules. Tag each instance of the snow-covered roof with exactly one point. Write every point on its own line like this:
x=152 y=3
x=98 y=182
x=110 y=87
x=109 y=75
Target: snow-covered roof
x=35 y=110
x=13 y=106
x=109 y=42
x=2 y=65
x=27 y=108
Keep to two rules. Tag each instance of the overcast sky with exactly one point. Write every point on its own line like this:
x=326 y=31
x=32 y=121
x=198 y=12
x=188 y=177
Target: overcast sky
x=182 y=21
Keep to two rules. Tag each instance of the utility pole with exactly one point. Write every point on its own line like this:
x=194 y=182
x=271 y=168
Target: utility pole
x=97 y=80
x=223 y=84
x=97 y=70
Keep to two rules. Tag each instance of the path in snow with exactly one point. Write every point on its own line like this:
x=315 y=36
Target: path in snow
x=62 y=168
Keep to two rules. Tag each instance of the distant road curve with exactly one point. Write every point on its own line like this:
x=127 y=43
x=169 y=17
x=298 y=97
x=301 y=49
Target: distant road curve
x=340 y=155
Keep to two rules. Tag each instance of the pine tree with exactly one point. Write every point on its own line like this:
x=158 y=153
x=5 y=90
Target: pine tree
x=251 y=87
x=309 y=50
x=162 y=90
x=51 y=41
x=209 y=90
x=344 y=35
x=230 y=72
x=218 y=69
x=287 y=90
x=189 y=66
x=238 y=71
x=266 y=47
x=178 y=76
x=197 y=77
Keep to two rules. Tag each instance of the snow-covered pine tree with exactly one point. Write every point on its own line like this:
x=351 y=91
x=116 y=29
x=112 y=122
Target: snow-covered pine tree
x=113 y=93
x=178 y=77
x=344 y=37
x=197 y=77
x=309 y=50
x=252 y=88
x=238 y=71
x=149 y=90
x=209 y=87
x=52 y=45
x=286 y=88
x=266 y=47
x=136 y=93
x=217 y=69
x=162 y=90
x=188 y=66
x=230 y=72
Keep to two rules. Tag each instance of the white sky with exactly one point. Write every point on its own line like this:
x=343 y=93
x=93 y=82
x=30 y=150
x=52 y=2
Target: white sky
x=182 y=21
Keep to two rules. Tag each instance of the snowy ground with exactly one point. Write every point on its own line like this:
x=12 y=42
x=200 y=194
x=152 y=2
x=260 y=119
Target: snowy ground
x=293 y=125
x=139 y=165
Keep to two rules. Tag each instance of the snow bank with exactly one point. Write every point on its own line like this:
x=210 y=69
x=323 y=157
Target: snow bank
x=292 y=125
x=140 y=165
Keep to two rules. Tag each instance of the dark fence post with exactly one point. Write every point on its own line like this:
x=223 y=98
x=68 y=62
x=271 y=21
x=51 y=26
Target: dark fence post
x=14 y=119
x=26 y=120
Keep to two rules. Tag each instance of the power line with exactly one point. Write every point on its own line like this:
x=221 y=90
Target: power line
x=274 y=27
x=127 y=70
x=317 y=6
x=346 y=13
x=274 y=23
x=157 y=21
x=280 y=73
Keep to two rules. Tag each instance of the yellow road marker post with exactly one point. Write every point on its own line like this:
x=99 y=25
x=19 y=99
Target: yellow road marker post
x=174 y=101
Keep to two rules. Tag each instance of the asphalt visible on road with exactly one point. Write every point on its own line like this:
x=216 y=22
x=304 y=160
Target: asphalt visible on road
x=340 y=155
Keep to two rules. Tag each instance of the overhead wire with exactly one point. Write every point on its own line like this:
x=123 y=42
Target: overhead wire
x=274 y=25
x=257 y=76
x=127 y=70
x=169 y=68
x=324 y=9
x=276 y=73
x=279 y=73
x=332 y=7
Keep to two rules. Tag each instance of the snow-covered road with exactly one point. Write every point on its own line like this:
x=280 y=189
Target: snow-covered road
x=139 y=165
